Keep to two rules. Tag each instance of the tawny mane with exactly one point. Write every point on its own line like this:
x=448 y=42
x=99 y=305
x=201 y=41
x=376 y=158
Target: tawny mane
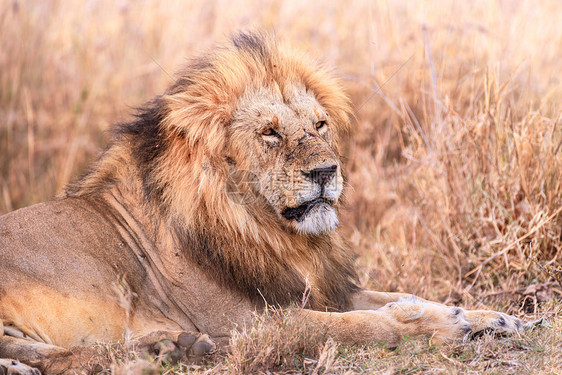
x=179 y=149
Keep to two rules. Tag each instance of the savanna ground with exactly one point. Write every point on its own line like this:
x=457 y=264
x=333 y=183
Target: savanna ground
x=454 y=162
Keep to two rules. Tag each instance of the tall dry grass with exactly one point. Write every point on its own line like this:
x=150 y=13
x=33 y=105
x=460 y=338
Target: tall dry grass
x=454 y=160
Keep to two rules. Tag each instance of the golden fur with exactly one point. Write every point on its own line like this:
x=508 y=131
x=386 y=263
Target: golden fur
x=155 y=214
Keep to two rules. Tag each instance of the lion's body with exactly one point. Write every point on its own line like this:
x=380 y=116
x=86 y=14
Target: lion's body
x=150 y=239
x=59 y=289
x=34 y=257
x=68 y=292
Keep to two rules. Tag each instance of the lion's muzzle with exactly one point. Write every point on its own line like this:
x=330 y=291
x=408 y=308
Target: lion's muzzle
x=298 y=213
x=313 y=211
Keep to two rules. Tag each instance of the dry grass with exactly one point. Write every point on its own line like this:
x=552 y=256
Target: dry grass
x=279 y=343
x=455 y=166
x=266 y=347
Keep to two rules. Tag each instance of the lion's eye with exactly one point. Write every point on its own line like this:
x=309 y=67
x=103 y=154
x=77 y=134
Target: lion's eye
x=320 y=125
x=269 y=132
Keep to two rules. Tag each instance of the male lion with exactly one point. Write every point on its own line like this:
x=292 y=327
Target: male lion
x=156 y=215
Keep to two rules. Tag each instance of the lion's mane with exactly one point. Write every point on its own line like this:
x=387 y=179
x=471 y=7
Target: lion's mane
x=177 y=146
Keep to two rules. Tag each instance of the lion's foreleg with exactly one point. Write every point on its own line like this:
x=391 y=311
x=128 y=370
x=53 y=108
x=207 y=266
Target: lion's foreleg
x=371 y=300
x=390 y=323
x=479 y=320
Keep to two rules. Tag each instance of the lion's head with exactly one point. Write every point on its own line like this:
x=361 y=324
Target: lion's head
x=255 y=107
x=287 y=141
x=250 y=110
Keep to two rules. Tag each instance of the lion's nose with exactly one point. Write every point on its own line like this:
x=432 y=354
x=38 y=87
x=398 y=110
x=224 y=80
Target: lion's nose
x=321 y=175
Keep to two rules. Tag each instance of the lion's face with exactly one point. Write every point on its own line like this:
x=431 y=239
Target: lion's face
x=286 y=141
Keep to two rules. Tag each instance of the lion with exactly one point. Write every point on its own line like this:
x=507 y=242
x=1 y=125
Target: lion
x=153 y=240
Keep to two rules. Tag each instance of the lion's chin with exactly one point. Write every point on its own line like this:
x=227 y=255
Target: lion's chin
x=320 y=219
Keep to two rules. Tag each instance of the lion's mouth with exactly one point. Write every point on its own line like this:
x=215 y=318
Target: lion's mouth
x=298 y=213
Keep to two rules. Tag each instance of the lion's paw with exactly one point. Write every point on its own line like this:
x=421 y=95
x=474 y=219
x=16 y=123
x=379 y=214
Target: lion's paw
x=417 y=317
x=483 y=321
x=196 y=346
x=444 y=323
x=176 y=346
x=11 y=367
